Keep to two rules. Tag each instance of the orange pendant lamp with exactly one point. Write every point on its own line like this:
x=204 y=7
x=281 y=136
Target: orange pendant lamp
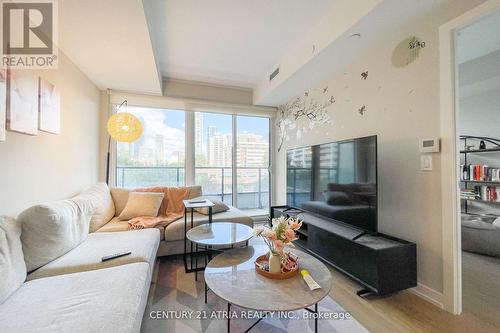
x=122 y=127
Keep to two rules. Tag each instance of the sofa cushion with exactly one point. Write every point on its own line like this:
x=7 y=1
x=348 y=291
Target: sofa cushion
x=336 y=198
x=141 y=204
x=482 y=238
x=218 y=207
x=195 y=191
x=103 y=203
x=120 y=198
x=12 y=266
x=478 y=224
x=87 y=256
x=50 y=230
x=104 y=300
x=118 y=225
x=175 y=231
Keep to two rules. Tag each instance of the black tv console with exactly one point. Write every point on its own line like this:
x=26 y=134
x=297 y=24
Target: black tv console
x=381 y=263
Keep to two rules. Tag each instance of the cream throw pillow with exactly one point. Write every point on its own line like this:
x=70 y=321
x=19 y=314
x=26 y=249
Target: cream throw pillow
x=52 y=229
x=101 y=199
x=194 y=191
x=141 y=204
x=120 y=198
x=12 y=266
x=218 y=208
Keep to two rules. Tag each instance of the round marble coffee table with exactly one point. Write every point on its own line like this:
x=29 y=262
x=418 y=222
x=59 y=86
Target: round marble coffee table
x=218 y=234
x=231 y=276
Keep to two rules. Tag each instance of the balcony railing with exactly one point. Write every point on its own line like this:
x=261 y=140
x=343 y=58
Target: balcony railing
x=253 y=183
x=138 y=176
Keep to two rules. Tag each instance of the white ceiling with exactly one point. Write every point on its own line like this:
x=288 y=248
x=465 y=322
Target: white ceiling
x=130 y=45
x=229 y=42
x=109 y=41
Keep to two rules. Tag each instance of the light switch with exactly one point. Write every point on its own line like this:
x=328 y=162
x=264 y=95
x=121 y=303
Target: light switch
x=426 y=162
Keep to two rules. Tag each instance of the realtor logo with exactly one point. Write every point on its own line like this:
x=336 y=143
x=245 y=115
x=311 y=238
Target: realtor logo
x=29 y=34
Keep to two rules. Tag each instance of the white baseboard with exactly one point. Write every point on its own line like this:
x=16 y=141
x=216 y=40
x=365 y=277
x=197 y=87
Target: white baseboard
x=430 y=295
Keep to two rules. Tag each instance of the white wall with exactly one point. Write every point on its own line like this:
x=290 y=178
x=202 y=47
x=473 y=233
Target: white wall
x=45 y=167
x=402 y=107
x=479 y=93
x=207 y=92
x=480 y=114
x=103 y=133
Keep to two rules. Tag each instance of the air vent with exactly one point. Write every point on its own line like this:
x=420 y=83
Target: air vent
x=274 y=74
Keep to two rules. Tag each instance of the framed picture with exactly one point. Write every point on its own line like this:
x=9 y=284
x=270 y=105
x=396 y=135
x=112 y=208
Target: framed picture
x=50 y=108
x=22 y=114
x=3 y=103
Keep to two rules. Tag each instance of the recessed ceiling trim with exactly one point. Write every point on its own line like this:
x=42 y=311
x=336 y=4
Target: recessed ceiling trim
x=109 y=41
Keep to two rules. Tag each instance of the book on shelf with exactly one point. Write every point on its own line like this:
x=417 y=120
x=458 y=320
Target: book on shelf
x=478 y=172
x=483 y=193
x=469 y=194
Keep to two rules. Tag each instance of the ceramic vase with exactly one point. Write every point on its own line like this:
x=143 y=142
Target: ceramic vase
x=274 y=263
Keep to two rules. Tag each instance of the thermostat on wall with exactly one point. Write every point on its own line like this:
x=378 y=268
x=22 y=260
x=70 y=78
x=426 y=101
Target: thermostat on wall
x=430 y=145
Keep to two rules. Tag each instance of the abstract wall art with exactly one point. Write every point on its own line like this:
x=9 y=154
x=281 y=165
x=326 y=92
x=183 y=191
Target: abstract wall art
x=50 y=108
x=304 y=107
x=22 y=114
x=3 y=103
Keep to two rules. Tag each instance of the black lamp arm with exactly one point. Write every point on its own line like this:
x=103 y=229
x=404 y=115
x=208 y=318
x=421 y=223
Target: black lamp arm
x=107 y=160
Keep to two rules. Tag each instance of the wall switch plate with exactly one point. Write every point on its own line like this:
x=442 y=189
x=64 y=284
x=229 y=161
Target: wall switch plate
x=426 y=162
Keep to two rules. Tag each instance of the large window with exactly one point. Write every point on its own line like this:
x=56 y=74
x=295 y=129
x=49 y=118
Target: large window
x=158 y=157
x=217 y=163
x=213 y=154
x=231 y=155
x=252 y=162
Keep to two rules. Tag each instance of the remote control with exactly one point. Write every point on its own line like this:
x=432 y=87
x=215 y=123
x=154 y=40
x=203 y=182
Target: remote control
x=113 y=256
x=197 y=201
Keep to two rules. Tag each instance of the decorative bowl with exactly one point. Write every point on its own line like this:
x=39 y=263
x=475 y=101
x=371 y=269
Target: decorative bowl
x=264 y=260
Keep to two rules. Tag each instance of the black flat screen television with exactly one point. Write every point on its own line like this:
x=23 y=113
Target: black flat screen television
x=337 y=180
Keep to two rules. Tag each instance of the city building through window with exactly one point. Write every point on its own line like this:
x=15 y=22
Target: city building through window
x=239 y=177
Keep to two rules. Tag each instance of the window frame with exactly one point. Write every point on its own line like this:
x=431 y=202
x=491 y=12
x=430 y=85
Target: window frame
x=189 y=116
x=234 y=159
x=113 y=164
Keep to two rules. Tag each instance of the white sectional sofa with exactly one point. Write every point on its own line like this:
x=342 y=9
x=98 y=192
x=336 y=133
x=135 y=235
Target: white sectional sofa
x=172 y=237
x=100 y=300
x=53 y=279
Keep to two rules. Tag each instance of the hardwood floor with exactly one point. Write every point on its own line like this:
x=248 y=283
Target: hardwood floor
x=406 y=312
x=481 y=286
x=403 y=312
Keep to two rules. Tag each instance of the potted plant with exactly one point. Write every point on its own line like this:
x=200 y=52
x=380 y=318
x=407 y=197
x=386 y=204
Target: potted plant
x=282 y=233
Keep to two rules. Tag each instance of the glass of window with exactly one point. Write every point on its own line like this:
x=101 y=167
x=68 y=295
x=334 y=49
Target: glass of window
x=213 y=154
x=157 y=158
x=252 y=162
